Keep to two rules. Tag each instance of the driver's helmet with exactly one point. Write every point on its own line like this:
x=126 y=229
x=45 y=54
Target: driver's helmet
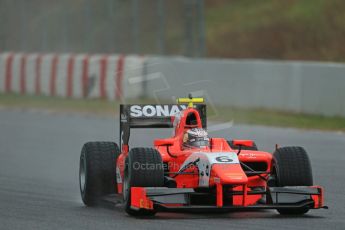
x=196 y=138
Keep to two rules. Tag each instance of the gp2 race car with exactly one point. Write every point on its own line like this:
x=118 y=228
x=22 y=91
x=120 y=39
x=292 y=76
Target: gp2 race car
x=192 y=172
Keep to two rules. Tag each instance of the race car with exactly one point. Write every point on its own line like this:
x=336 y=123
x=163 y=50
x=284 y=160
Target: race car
x=191 y=171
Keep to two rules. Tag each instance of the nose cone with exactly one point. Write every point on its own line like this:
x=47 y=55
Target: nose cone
x=228 y=174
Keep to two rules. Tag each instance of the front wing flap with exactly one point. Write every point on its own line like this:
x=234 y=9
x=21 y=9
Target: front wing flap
x=178 y=199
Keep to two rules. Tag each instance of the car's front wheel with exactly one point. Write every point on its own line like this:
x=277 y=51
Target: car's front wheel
x=291 y=167
x=143 y=168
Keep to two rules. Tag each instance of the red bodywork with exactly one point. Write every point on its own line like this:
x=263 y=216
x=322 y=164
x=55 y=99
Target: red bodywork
x=223 y=177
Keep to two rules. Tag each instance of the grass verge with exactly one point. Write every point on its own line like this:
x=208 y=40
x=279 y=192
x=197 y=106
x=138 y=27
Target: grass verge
x=238 y=115
x=297 y=30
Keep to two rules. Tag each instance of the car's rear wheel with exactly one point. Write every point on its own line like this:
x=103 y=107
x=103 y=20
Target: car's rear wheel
x=291 y=167
x=97 y=174
x=143 y=168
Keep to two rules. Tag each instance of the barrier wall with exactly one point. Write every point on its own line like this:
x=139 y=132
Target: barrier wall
x=303 y=87
x=69 y=75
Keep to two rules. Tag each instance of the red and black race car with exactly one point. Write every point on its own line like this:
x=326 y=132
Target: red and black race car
x=191 y=171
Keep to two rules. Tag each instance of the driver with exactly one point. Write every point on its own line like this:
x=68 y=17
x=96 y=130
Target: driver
x=196 y=138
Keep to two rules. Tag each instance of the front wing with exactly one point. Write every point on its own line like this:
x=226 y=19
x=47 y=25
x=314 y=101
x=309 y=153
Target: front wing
x=179 y=199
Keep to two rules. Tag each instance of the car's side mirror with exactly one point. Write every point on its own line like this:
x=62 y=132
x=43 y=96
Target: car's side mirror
x=166 y=142
x=247 y=143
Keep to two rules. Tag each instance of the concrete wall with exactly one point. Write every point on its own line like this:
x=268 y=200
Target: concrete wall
x=307 y=87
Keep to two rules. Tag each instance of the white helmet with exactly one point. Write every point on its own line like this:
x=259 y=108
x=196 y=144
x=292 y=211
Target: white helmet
x=196 y=138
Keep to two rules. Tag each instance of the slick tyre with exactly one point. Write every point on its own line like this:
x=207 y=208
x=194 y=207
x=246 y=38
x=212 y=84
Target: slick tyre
x=97 y=171
x=291 y=167
x=138 y=174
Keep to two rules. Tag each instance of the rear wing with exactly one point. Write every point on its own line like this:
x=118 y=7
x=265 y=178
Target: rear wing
x=152 y=116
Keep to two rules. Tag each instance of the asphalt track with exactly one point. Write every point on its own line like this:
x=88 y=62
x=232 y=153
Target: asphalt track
x=39 y=156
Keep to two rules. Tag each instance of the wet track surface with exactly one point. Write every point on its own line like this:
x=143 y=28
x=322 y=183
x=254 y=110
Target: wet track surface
x=39 y=160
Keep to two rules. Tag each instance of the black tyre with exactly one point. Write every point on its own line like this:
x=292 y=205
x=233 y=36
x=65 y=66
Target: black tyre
x=291 y=167
x=139 y=173
x=231 y=144
x=97 y=171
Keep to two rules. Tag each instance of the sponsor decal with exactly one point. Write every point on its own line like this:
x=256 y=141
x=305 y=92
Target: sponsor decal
x=123 y=118
x=249 y=155
x=198 y=132
x=155 y=110
x=118 y=176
